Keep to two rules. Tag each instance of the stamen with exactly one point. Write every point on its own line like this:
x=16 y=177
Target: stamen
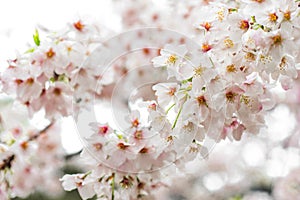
x=199 y=71
x=172 y=59
x=50 y=53
x=228 y=43
x=201 y=100
x=273 y=17
x=231 y=68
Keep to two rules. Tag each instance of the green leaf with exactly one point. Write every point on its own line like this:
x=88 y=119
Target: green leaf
x=36 y=38
x=187 y=80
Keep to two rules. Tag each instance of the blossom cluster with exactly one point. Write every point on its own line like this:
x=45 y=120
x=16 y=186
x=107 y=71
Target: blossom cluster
x=41 y=84
x=30 y=157
x=222 y=89
x=48 y=75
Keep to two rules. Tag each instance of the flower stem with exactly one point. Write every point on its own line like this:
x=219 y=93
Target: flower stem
x=213 y=64
x=86 y=174
x=170 y=108
x=175 y=122
x=113 y=187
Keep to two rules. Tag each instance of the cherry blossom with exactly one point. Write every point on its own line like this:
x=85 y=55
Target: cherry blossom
x=221 y=91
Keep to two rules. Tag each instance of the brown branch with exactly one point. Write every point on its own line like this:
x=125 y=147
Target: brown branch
x=41 y=132
x=7 y=162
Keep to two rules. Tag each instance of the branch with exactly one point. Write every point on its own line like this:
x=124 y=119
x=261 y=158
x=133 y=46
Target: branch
x=43 y=131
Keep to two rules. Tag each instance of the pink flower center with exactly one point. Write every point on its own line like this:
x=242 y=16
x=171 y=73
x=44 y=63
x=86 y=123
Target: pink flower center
x=135 y=123
x=103 y=130
x=206 y=47
x=201 y=100
x=138 y=134
x=122 y=146
x=206 y=25
x=244 y=25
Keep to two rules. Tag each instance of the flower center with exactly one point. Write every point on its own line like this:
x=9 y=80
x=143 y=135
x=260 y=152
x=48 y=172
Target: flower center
x=206 y=47
x=103 y=130
x=170 y=138
x=188 y=128
x=50 y=53
x=78 y=25
x=199 y=71
x=250 y=56
x=265 y=58
x=172 y=59
x=172 y=91
x=69 y=49
x=97 y=146
x=277 y=39
x=126 y=182
x=273 y=17
x=18 y=81
x=220 y=15
x=228 y=42
x=30 y=81
x=138 y=134
x=231 y=68
x=57 y=91
x=245 y=99
x=201 y=100
x=283 y=64
x=24 y=145
x=193 y=149
x=152 y=106
x=206 y=25
x=244 y=25
x=287 y=15
x=122 y=146
x=144 y=150
x=230 y=96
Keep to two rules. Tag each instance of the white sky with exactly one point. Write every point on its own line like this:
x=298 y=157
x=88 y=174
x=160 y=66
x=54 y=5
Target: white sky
x=19 y=18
